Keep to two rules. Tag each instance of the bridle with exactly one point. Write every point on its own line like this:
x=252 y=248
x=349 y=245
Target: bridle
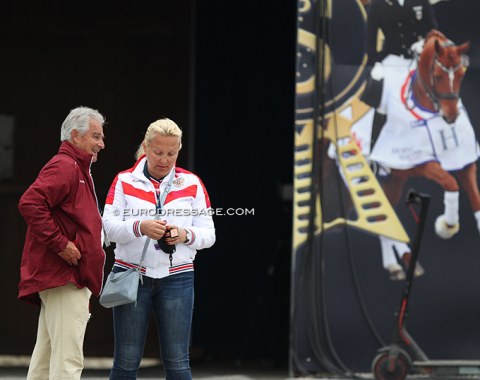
x=433 y=95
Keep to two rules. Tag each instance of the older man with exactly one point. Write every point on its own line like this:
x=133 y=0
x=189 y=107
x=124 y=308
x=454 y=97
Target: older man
x=63 y=259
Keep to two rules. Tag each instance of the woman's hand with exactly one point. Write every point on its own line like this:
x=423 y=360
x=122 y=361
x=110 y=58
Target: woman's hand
x=178 y=238
x=154 y=229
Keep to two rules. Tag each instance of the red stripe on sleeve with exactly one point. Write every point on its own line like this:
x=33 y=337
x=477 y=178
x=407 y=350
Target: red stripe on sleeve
x=207 y=198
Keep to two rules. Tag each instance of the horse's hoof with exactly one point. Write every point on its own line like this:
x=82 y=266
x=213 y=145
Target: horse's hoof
x=419 y=271
x=444 y=230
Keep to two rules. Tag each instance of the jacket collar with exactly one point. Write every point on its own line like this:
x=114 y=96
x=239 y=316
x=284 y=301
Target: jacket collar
x=138 y=170
x=82 y=158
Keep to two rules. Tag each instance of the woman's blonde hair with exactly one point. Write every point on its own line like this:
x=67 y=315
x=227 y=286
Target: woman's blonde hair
x=162 y=127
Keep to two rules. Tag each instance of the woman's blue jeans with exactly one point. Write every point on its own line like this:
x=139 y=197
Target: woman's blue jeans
x=171 y=301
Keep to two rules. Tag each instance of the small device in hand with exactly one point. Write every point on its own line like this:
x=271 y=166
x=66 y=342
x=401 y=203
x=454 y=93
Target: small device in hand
x=173 y=232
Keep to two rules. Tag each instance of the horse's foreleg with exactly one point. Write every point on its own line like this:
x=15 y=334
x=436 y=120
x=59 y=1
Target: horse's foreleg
x=446 y=225
x=389 y=260
x=390 y=249
x=393 y=188
x=468 y=180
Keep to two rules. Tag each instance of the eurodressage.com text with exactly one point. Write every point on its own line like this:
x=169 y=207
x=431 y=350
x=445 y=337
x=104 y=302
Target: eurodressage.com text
x=187 y=212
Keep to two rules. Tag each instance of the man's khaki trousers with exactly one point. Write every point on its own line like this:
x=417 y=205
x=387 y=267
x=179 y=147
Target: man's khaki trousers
x=58 y=353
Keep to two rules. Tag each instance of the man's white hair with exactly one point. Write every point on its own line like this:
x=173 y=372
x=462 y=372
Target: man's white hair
x=79 y=118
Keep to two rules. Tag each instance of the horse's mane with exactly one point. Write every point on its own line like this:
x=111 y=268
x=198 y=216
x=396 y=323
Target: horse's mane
x=429 y=45
x=436 y=43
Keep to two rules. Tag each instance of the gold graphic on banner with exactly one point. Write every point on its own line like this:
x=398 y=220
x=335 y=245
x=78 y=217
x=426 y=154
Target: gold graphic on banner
x=373 y=210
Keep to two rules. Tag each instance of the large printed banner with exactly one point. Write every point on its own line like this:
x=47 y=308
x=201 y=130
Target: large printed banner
x=369 y=133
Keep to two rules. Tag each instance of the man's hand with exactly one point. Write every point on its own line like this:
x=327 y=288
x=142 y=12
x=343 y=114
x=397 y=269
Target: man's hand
x=70 y=254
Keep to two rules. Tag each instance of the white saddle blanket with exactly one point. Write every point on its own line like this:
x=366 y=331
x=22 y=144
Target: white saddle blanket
x=413 y=136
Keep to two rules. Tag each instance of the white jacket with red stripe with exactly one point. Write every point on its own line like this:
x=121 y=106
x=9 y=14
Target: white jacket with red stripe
x=132 y=198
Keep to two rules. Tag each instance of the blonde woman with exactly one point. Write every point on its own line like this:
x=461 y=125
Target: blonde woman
x=157 y=200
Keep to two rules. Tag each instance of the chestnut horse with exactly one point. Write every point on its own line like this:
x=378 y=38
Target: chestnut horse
x=427 y=132
x=431 y=98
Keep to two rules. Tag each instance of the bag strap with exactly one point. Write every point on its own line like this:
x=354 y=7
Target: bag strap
x=163 y=196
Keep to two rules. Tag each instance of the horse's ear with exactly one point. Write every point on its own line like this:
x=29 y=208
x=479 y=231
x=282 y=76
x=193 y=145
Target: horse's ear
x=434 y=33
x=461 y=49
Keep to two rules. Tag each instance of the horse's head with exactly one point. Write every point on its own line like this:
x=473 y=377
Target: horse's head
x=441 y=68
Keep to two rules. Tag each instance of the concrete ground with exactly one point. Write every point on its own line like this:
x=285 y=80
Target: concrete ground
x=156 y=372
x=15 y=368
